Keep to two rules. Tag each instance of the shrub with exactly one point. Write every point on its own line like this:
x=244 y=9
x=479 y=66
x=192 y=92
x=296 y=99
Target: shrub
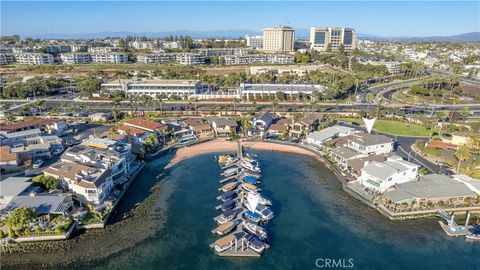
x=27 y=232
x=38 y=230
x=2 y=233
x=59 y=229
x=11 y=233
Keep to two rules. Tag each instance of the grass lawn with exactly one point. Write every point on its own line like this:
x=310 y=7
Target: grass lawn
x=394 y=127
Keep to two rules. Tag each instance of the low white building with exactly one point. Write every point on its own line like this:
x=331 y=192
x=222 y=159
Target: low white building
x=76 y=58
x=180 y=88
x=7 y=58
x=190 y=58
x=264 y=90
x=112 y=58
x=34 y=58
x=380 y=176
x=157 y=58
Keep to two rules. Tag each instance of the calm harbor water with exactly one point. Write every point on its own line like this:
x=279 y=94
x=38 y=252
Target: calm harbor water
x=314 y=219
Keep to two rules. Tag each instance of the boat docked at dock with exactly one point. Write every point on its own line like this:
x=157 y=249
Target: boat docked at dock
x=229 y=195
x=250 y=187
x=249 y=166
x=473 y=233
x=254 y=243
x=230 y=172
x=256 y=230
x=226 y=227
x=265 y=213
x=224 y=243
x=252 y=216
x=228 y=215
x=261 y=200
x=252 y=174
x=250 y=180
x=228 y=187
x=228 y=205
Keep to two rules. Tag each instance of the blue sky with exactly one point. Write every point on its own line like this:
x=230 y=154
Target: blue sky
x=380 y=18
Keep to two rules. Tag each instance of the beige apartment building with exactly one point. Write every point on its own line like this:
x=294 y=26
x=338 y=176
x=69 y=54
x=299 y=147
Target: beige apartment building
x=278 y=39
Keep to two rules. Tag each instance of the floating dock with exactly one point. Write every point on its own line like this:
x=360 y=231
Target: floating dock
x=233 y=235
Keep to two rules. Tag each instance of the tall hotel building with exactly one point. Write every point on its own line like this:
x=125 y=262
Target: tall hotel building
x=278 y=39
x=320 y=38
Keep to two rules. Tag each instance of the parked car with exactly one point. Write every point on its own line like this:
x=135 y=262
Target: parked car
x=38 y=163
x=57 y=151
x=446 y=172
x=72 y=142
x=443 y=164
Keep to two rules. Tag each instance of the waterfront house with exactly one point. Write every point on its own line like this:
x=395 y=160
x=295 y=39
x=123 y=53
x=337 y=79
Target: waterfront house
x=380 y=176
x=303 y=126
x=277 y=130
x=370 y=144
x=342 y=154
x=431 y=189
x=198 y=127
x=224 y=126
x=260 y=124
x=354 y=166
x=318 y=138
x=140 y=128
x=90 y=184
x=50 y=204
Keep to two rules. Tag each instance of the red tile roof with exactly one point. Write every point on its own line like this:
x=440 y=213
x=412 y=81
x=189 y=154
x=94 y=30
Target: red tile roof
x=132 y=130
x=145 y=124
x=278 y=127
x=6 y=155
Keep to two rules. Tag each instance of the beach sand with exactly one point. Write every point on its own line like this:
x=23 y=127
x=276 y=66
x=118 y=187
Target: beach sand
x=222 y=145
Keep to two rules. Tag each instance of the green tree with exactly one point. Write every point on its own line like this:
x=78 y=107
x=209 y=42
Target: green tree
x=462 y=153
x=48 y=182
x=21 y=217
x=89 y=86
x=341 y=50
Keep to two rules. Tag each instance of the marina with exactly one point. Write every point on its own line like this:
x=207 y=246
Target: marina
x=243 y=208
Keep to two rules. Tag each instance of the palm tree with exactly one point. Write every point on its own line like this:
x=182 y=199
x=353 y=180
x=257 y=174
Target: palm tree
x=462 y=154
x=185 y=97
x=370 y=98
x=115 y=112
x=246 y=125
x=274 y=105
x=133 y=103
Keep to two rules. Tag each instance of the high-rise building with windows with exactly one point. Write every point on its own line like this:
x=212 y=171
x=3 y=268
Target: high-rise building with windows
x=278 y=39
x=323 y=38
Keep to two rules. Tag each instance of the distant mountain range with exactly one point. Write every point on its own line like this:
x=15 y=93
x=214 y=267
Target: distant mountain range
x=299 y=33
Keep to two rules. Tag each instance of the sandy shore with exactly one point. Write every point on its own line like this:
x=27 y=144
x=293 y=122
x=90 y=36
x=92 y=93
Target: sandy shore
x=221 y=145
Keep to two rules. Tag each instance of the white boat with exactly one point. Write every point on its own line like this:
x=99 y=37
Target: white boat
x=265 y=213
x=255 y=229
x=252 y=174
x=230 y=172
x=249 y=166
